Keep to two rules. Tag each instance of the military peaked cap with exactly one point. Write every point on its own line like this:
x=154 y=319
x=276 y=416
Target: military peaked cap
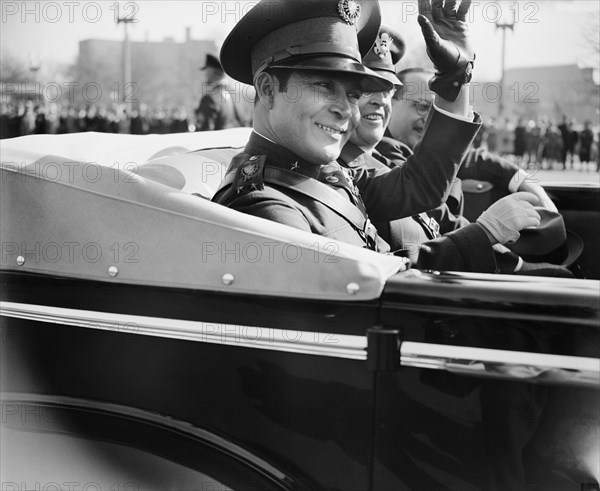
x=323 y=35
x=212 y=62
x=387 y=51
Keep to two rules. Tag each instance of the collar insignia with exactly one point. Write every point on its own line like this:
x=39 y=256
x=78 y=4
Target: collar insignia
x=349 y=11
x=382 y=45
x=249 y=171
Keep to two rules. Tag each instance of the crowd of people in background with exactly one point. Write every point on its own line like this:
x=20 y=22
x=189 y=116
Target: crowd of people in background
x=27 y=118
x=543 y=141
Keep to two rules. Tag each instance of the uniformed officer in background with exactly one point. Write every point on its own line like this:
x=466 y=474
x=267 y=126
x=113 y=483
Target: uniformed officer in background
x=217 y=110
x=304 y=59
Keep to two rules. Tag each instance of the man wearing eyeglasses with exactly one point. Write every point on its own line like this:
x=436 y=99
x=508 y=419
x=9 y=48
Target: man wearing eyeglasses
x=434 y=240
x=410 y=107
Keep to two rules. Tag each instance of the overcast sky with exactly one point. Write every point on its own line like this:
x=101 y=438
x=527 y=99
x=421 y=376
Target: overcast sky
x=548 y=32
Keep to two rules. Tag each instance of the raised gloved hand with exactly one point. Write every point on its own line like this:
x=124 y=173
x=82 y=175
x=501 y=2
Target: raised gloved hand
x=533 y=188
x=509 y=215
x=446 y=34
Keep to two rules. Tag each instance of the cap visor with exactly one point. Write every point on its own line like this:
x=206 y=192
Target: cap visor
x=370 y=81
x=390 y=76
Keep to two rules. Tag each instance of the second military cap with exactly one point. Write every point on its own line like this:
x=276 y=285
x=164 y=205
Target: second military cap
x=324 y=35
x=212 y=62
x=388 y=50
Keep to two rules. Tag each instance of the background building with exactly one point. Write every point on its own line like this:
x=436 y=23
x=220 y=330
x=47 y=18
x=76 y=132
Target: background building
x=162 y=73
x=542 y=91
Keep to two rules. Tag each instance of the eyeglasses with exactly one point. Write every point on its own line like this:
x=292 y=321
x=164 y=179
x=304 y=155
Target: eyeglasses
x=422 y=107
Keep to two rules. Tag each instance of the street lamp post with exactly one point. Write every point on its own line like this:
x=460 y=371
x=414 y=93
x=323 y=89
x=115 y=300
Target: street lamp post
x=126 y=60
x=504 y=26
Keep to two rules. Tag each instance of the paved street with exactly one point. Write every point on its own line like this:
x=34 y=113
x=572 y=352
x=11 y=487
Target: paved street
x=567 y=176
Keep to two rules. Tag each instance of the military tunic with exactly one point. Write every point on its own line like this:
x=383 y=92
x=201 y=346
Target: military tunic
x=479 y=164
x=378 y=194
x=461 y=246
x=216 y=110
x=464 y=247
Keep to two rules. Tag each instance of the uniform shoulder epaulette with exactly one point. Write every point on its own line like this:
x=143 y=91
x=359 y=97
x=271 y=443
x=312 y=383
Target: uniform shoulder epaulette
x=249 y=171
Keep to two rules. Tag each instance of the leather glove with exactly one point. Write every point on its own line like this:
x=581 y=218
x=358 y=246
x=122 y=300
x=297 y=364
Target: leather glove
x=507 y=216
x=446 y=35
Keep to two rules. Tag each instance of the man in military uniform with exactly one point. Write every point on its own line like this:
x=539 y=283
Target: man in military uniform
x=304 y=61
x=437 y=239
x=216 y=110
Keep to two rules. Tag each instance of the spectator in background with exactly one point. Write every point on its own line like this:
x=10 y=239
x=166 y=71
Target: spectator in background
x=179 y=121
x=5 y=113
x=598 y=152
x=569 y=137
x=159 y=122
x=102 y=122
x=16 y=125
x=139 y=121
x=27 y=126
x=534 y=140
x=89 y=119
x=586 y=138
x=553 y=145
x=67 y=122
x=216 y=110
x=41 y=126
x=520 y=142
x=117 y=119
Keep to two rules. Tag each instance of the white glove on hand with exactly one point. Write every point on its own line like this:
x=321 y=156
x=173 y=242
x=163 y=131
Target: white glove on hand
x=538 y=190
x=507 y=216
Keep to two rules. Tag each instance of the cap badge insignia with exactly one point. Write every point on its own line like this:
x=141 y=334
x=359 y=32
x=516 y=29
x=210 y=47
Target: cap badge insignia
x=249 y=171
x=382 y=45
x=349 y=11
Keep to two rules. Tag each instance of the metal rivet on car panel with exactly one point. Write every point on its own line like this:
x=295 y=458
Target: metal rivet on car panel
x=352 y=288
x=228 y=279
x=20 y=260
x=113 y=271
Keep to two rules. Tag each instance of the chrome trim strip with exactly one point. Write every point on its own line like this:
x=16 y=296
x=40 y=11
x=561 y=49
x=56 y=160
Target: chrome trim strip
x=481 y=362
x=290 y=341
x=507 y=365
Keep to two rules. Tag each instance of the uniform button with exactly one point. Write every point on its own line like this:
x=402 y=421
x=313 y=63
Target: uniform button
x=332 y=179
x=479 y=186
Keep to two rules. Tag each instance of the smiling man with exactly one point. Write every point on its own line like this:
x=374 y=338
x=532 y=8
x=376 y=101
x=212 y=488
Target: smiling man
x=304 y=59
x=433 y=240
x=410 y=107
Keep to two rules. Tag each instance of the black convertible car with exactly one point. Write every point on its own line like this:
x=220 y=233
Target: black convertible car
x=152 y=339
